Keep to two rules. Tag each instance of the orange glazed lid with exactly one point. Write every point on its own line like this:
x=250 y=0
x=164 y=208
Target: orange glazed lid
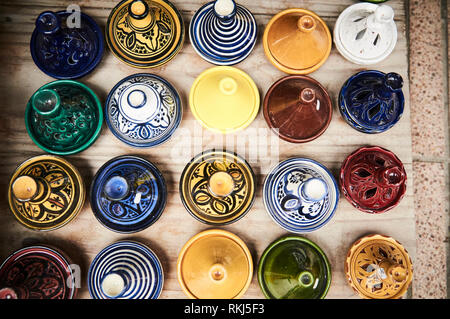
x=297 y=41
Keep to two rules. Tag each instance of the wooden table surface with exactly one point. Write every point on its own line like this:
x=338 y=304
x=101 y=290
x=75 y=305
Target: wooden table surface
x=84 y=237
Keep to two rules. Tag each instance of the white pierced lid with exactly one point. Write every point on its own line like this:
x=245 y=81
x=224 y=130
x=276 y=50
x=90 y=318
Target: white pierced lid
x=365 y=33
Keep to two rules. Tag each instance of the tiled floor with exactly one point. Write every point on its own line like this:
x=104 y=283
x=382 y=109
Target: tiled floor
x=429 y=78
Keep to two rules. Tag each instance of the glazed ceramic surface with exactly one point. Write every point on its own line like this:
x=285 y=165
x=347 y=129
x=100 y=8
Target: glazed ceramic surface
x=287 y=202
x=235 y=95
x=297 y=108
x=45 y=192
x=378 y=267
x=37 y=272
x=63 y=51
x=143 y=110
x=132 y=202
x=64 y=117
x=373 y=179
x=366 y=33
x=294 y=267
x=125 y=270
x=223 y=39
x=197 y=190
x=297 y=41
x=215 y=264
x=145 y=33
x=372 y=101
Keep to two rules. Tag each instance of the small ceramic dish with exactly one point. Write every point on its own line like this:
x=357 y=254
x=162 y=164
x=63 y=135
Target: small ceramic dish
x=46 y=192
x=300 y=195
x=128 y=194
x=125 y=270
x=294 y=267
x=217 y=187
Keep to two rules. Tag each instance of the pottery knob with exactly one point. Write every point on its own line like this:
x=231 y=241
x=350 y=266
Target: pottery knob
x=113 y=285
x=139 y=12
x=225 y=9
x=314 y=190
x=393 y=81
x=306 y=23
x=48 y=22
x=307 y=96
x=305 y=279
x=46 y=102
x=217 y=272
x=7 y=293
x=221 y=184
x=116 y=188
x=228 y=86
x=390 y=176
x=382 y=15
x=397 y=273
x=24 y=188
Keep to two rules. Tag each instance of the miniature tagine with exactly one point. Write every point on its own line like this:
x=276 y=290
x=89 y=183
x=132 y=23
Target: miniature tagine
x=145 y=33
x=215 y=264
x=128 y=194
x=45 y=192
x=235 y=96
x=372 y=101
x=64 y=117
x=125 y=270
x=378 y=267
x=64 y=50
x=297 y=41
x=365 y=33
x=373 y=179
x=297 y=108
x=217 y=187
x=143 y=110
x=300 y=195
x=294 y=267
x=223 y=32
x=37 y=272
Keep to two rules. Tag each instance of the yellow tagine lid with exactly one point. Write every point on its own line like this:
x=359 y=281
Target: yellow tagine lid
x=379 y=267
x=297 y=41
x=224 y=99
x=215 y=264
x=45 y=192
x=145 y=33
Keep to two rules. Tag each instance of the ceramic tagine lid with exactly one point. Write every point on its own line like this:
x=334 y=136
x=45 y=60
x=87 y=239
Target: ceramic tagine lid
x=294 y=267
x=235 y=96
x=37 y=272
x=145 y=33
x=45 y=192
x=297 y=41
x=128 y=194
x=143 y=110
x=217 y=187
x=215 y=264
x=300 y=195
x=125 y=270
x=372 y=101
x=64 y=117
x=378 y=267
x=297 y=108
x=64 y=47
x=223 y=32
x=373 y=179
x=365 y=33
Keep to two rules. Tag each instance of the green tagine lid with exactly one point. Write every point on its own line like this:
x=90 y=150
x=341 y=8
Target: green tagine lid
x=64 y=117
x=294 y=267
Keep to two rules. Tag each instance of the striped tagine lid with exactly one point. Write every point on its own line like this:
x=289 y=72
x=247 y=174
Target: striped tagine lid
x=128 y=194
x=125 y=270
x=223 y=32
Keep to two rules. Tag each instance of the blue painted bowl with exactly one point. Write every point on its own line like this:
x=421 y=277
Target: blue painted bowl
x=143 y=110
x=128 y=194
x=285 y=200
x=223 y=39
x=372 y=101
x=65 y=52
x=125 y=270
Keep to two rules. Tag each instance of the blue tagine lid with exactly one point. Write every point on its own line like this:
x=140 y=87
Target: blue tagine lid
x=372 y=101
x=128 y=194
x=300 y=195
x=64 y=46
x=143 y=110
x=223 y=32
x=125 y=270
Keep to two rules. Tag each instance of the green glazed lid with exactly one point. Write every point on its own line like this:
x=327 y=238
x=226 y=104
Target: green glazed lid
x=294 y=267
x=64 y=117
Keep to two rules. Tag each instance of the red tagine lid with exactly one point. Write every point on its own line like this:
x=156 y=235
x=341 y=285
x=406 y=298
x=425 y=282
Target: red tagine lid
x=373 y=179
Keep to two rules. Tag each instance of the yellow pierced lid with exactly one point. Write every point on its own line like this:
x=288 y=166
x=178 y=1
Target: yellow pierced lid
x=215 y=264
x=224 y=99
